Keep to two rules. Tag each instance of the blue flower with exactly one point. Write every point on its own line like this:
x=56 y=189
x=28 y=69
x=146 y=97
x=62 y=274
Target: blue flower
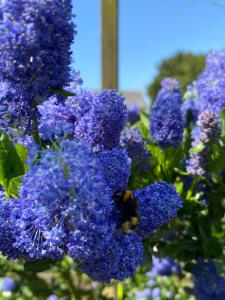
x=135 y=145
x=52 y=297
x=96 y=118
x=133 y=113
x=211 y=83
x=145 y=294
x=35 y=40
x=115 y=167
x=166 y=123
x=100 y=118
x=68 y=209
x=56 y=119
x=120 y=261
x=7 y=239
x=156 y=293
x=209 y=285
x=157 y=204
x=164 y=266
x=8 y=284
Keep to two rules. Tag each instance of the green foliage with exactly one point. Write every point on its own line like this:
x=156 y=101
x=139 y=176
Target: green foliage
x=12 y=162
x=185 y=67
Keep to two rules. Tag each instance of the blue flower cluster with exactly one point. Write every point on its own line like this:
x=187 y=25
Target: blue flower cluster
x=35 y=40
x=166 y=124
x=211 y=83
x=8 y=285
x=157 y=204
x=209 y=285
x=190 y=106
x=207 y=131
x=135 y=145
x=96 y=118
x=133 y=113
x=74 y=198
x=165 y=266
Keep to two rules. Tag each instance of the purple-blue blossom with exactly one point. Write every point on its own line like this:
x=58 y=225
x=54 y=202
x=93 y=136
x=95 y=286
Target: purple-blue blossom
x=100 y=118
x=166 y=121
x=157 y=204
x=135 y=145
x=35 y=54
x=209 y=285
x=120 y=261
x=8 y=284
x=115 y=166
x=211 y=83
x=133 y=113
x=69 y=208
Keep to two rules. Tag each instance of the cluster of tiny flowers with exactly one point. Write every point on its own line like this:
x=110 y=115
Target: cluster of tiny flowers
x=135 y=145
x=157 y=204
x=133 y=113
x=207 y=131
x=166 y=124
x=96 y=118
x=165 y=266
x=115 y=166
x=211 y=83
x=190 y=105
x=8 y=286
x=35 y=40
x=209 y=285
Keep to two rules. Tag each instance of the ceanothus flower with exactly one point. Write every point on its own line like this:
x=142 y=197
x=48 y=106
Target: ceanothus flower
x=96 y=118
x=52 y=297
x=8 y=284
x=157 y=204
x=120 y=261
x=190 y=105
x=56 y=119
x=100 y=118
x=115 y=166
x=35 y=40
x=135 y=145
x=206 y=132
x=68 y=209
x=164 y=266
x=209 y=285
x=7 y=238
x=166 y=123
x=133 y=113
x=211 y=83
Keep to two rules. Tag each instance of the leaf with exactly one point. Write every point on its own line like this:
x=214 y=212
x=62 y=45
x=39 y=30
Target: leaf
x=199 y=148
x=14 y=185
x=10 y=163
x=38 y=265
x=22 y=152
x=179 y=187
x=63 y=92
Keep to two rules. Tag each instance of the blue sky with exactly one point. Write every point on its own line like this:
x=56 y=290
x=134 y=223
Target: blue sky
x=149 y=30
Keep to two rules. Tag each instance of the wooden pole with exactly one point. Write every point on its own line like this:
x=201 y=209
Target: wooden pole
x=109 y=40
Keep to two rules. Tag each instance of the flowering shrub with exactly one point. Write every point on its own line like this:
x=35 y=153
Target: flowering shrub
x=86 y=188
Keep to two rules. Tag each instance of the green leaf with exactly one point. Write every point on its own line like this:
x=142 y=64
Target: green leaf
x=22 y=152
x=63 y=92
x=10 y=163
x=179 y=187
x=38 y=265
x=199 y=148
x=14 y=185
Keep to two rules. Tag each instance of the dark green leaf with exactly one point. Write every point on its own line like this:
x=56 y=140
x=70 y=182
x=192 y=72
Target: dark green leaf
x=63 y=92
x=10 y=163
x=38 y=266
x=14 y=185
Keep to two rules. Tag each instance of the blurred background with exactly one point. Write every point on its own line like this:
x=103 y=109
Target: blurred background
x=155 y=38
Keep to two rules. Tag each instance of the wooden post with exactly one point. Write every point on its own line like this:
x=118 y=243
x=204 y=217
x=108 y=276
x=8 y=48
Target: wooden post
x=109 y=40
